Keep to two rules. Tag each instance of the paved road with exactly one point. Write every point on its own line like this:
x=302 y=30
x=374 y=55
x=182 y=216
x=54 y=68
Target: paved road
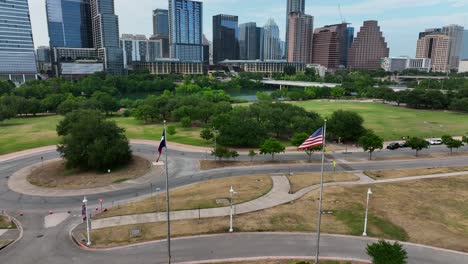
x=40 y=245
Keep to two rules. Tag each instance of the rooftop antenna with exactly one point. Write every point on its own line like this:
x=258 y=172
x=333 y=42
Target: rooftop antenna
x=341 y=14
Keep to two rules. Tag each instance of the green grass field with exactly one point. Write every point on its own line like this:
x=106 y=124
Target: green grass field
x=25 y=133
x=393 y=122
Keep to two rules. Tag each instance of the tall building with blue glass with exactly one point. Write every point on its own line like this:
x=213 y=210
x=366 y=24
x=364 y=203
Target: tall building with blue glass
x=225 y=38
x=186 y=30
x=69 y=23
x=17 y=54
x=105 y=25
x=161 y=22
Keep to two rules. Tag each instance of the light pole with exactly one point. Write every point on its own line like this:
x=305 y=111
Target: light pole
x=85 y=201
x=369 y=192
x=232 y=192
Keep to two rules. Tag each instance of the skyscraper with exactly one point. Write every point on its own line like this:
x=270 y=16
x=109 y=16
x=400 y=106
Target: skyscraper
x=368 y=48
x=137 y=48
x=186 y=30
x=249 y=41
x=225 y=38
x=293 y=6
x=299 y=45
x=437 y=48
x=106 y=35
x=271 y=41
x=17 y=55
x=161 y=22
x=330 y=45
x=69 y=23
x=464 y=50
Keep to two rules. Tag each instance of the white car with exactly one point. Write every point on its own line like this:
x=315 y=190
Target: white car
x=435 y=141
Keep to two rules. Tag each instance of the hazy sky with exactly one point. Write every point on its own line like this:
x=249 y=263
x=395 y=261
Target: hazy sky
x=400 y=20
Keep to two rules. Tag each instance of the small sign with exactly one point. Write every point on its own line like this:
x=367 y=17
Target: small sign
x=135 y=232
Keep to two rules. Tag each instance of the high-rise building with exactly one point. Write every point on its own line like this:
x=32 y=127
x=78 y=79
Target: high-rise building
x=69 y=23
x=206 y=50
x=330 y=45
x=137 y=48
x=165 y=44
x=225 y=38
x=106 y=35
x=368 y=48
x=293 y=6
x=437 y=48
x=249 y=41
x=17 y=54
x=43 y=59
x=299 y=43
x=271 y=41
x=161 y=22
x=186 y=30
x=464 y=49
x=349 y=42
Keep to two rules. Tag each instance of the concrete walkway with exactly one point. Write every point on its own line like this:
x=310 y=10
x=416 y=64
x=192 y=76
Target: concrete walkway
x=278 y=195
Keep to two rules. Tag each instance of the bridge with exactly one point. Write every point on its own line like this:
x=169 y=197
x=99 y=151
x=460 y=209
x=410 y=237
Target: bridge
x=282 y=84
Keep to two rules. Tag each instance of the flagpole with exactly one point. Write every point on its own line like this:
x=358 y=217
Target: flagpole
x=321 y=194
x=168 y=209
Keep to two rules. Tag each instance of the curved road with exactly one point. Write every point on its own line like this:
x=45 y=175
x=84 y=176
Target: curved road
x=53 y=245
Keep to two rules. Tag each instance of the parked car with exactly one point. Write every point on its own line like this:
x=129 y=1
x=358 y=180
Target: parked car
x=393 y=146
x=435 y=141
x=404 y=145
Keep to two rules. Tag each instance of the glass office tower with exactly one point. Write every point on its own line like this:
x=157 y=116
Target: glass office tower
x=225 y=38
x=186 y=30
x=161 y=22
x=69 y=23
x=17 y=54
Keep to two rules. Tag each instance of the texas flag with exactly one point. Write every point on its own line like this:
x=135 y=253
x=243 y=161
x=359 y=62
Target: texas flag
x=162 y=144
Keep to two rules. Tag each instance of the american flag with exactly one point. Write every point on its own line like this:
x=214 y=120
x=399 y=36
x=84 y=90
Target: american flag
x=313 y=141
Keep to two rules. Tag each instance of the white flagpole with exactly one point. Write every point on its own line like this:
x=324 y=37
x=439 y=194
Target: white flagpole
x=321 y=195
x=168 y=197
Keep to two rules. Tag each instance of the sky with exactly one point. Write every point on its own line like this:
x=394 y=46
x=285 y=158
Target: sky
x=400 y=20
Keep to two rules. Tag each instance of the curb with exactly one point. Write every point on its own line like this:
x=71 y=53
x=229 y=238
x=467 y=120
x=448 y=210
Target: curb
x=271 y=258
x=19 y=227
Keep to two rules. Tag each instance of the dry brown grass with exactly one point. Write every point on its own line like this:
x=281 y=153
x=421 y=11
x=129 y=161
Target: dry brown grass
x=302 y=180
x=55 y=175
x=216 y=164
x=376 y=157
x=5 y=223
x=432 y=212
x=291 y=262
x=393 y=174
x=200 y=196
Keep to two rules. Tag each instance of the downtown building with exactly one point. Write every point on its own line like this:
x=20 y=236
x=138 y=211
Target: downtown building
x=271 y=41
x=250 y=41
x=138 y=48
x=435 y=47
x=300 y=36
x=292 y=6
x=17 y=54
x=225 y=38
x=330 y=46
x=464 y=49
x=368 y=48
x=400 y=64
x=43 y=56
x=161 y=22
x=186 y=30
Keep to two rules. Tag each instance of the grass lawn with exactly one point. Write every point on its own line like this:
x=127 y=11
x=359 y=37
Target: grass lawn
x=25 y=133
x=392 y=174
x=302 y=180
x=393 y=122
x=200 y=196
x=432 y=212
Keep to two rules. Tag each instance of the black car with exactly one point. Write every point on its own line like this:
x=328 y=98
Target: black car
x=393 y=146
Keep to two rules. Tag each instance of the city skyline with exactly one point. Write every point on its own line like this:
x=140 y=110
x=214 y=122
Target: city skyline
x=399 y=25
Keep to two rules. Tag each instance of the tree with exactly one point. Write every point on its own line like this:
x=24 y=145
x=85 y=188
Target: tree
x=346 y=125
x=207 y=134
x=418 y=144
x=220 y=152
x=465 y=139
x=186 y=122
x=263 y=97
x=451 y=143
x=370 y=142
x=338 y=92
x=384 y=252
x=271 y=146
x=90 y=142
x=171 y=130
x=252 y=154
x=289 y=70
x=299 y=138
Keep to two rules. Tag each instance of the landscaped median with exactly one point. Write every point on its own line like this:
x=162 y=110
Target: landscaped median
x=8 y=231
x=394 y=174
x=430 y=211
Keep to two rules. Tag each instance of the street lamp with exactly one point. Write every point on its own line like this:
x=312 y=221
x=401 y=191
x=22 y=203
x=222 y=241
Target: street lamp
x=232 y=192
x=369 y=193
x=85 y=201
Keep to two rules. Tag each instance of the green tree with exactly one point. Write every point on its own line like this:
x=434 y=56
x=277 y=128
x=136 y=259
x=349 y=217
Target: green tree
x=90 y=142
x=263 y=97
x=418 y=144
x=186 y=122
x=289 y=70
x=451 y=143
x=171 y=130
x=252 y=154
x=384 y=252
x=346 y=125
x=299 y=138
x=338 y=92
x=220 y=152
x=207 y=134
x=465 y=139
x=271 y=146
x=107 y=102
x=370 y=142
